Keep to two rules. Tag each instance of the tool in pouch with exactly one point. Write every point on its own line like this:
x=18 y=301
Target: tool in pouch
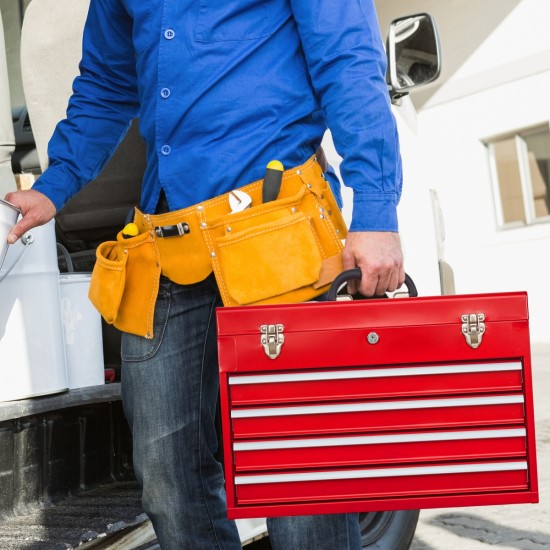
x=272 y=181
x=285 y=250
x=130 y=230
x=239 y=200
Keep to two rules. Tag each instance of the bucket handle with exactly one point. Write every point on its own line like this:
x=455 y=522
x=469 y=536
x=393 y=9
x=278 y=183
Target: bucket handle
x=26 y=240
x=67 y=257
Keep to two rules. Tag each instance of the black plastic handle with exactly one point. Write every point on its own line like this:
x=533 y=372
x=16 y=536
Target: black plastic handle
x=355 y=275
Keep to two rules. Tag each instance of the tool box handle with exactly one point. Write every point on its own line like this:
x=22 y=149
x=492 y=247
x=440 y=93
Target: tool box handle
x=355 y=274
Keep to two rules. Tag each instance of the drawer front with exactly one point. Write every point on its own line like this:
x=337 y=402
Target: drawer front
x=377 y=416
x=383 y=482
x=351 y=384
x=396 y=448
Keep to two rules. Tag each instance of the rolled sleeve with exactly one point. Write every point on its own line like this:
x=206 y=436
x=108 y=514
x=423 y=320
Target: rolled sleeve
x=347 y=63
x=58 y=184
x=374 y=212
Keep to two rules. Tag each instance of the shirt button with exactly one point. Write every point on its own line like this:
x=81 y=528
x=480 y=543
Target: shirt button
x=169 y=34
x=165 y=92
x=166 y=150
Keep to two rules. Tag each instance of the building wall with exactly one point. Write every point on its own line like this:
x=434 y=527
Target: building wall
x=496 y=80
x=486 y=259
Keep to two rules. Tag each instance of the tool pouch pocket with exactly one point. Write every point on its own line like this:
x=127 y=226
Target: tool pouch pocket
x=275 y=252
x=125 y=283
x=108 y=277
x=269 y=260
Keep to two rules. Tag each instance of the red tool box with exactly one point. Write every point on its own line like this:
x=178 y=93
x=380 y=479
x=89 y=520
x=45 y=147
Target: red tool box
x=370 y=405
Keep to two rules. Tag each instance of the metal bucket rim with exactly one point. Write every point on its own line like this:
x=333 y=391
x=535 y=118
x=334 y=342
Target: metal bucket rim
x=10 y=205
x=73 y=277
x=5 y=246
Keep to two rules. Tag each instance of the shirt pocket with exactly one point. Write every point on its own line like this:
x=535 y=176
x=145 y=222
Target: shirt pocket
x=233 y=20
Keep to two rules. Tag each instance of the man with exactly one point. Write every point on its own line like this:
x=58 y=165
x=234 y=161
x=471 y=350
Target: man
x=221 y=88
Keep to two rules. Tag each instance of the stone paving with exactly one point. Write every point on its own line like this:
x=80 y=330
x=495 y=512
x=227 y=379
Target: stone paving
x=513 y=527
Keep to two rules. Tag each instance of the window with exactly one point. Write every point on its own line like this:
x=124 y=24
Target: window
x=520 y=165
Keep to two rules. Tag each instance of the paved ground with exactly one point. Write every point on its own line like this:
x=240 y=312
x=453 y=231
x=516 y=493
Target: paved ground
x=517 y=527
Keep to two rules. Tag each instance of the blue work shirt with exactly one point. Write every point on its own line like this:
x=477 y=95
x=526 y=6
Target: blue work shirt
x=222 y=88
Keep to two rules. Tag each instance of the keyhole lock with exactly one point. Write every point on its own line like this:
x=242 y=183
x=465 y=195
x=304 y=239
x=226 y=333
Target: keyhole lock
x=373 y=338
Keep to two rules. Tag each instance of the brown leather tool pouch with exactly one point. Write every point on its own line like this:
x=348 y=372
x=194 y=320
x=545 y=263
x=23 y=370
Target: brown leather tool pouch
x=125 y=283
x=282 y=251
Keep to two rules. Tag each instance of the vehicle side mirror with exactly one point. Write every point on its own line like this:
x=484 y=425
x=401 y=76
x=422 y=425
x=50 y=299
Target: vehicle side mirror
x=414 y=57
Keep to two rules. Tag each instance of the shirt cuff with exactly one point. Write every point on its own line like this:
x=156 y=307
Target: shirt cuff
x=374 y=212
x=58 y=185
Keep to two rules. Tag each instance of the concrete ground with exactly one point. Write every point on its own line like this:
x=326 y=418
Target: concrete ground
x=514 y=527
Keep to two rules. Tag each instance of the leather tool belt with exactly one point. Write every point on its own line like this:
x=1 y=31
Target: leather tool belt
x=284 y=251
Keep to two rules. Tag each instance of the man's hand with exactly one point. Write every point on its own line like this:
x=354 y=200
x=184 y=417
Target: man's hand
x=379 y=256
x=36 y=209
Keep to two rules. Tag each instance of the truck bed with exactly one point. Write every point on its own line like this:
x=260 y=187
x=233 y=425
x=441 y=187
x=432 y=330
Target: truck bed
x=79 y=518
x=66 y=472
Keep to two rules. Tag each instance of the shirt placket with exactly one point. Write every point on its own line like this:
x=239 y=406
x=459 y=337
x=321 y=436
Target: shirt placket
x=165 y=87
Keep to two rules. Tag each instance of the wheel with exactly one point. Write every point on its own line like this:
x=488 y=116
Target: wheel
x=388 y=530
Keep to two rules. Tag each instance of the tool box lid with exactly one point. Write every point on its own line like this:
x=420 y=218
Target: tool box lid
x=402 y=312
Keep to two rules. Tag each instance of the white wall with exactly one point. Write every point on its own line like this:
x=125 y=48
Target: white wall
x=484 y=258
x=501 y=85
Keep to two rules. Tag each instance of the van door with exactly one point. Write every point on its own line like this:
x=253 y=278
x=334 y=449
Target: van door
x=7 y=138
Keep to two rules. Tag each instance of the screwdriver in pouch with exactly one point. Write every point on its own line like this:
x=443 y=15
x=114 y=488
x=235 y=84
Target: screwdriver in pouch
x=272 y=181
x=130 y=230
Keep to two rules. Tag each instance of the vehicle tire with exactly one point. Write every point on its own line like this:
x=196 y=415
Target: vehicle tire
x=388 y=530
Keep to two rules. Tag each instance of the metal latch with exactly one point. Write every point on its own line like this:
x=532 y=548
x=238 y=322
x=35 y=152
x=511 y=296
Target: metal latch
x=172 y=230
x=272 y=339
x=473 y=327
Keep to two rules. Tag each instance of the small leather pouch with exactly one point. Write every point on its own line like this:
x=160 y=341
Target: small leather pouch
x=108 y=278
x=125 y=283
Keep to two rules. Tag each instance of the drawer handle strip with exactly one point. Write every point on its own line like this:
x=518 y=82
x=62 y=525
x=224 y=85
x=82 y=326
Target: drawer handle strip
x=383 y=472
x=373 y=373
x=376 y=439
x=379 y=406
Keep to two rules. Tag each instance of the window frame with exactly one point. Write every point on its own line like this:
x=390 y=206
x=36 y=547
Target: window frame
x=526 y=182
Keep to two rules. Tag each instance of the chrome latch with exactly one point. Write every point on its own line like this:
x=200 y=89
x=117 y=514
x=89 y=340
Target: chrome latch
x=473 y=327
x=272 y=339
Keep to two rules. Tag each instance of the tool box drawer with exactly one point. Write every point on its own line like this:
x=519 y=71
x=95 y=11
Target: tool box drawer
x=367 y=449
x=383 y=482
x=378 y=416
x=377 y=405
x=330 y=385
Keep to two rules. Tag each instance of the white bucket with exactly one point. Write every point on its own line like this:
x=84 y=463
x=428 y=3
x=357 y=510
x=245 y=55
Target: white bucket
x=8 y=218
x=32 y=355
x=82 y=332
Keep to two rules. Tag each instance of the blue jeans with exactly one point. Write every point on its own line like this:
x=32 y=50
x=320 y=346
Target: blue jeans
x=170 y=395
